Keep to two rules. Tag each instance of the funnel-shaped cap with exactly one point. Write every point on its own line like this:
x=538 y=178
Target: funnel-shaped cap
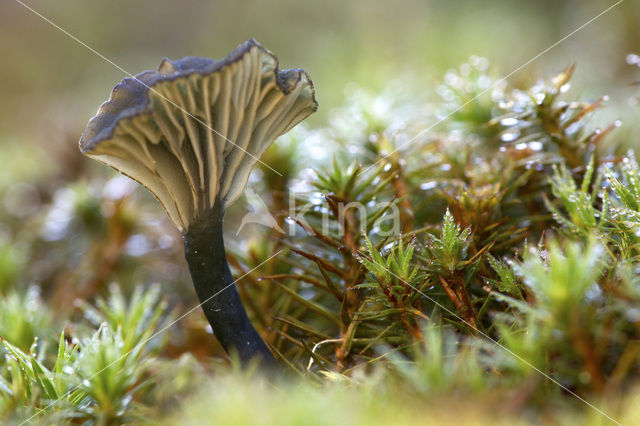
x=192 y=131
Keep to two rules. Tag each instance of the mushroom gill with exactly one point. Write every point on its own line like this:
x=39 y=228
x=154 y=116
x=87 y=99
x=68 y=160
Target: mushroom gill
x=191 y=132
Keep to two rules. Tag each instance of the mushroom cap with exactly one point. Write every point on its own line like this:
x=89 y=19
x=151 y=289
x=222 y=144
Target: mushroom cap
x=192 y=130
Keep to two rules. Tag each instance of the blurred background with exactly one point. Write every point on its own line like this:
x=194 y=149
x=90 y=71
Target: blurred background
x=55 y=205
x=50 y=85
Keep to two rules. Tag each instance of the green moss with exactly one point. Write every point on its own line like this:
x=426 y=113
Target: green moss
x=479 y=270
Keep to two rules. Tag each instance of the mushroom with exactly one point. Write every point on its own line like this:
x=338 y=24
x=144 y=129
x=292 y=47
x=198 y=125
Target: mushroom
x=191 y=132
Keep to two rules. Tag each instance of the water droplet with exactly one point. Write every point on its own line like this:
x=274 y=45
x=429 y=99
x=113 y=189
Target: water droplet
x=633 y=59
x=429 y=185
x=165 y=241
x=535 y=146
x=509 y=136
x=509 y=121
x=451 y=79
x=484 y=82
x=118 y=187
x=137 y=245
x=573 y=127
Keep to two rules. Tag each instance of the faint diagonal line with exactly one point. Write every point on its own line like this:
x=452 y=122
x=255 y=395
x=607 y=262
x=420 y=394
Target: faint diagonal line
x=77 y=40
x=423 y=131
x=157 y=333
x=500 y=345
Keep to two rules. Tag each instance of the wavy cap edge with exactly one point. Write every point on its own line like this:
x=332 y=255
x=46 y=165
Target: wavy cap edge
x=129 y=98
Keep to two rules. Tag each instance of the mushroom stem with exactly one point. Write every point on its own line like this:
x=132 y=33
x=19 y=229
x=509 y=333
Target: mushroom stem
x=205 y=254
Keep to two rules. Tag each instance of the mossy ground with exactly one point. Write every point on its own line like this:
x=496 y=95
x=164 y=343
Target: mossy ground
x=509 y=292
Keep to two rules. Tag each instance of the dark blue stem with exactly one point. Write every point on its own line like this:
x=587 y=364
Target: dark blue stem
x=205 y=254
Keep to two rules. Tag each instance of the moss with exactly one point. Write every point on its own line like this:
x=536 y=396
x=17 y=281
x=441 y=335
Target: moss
x=477 y=269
